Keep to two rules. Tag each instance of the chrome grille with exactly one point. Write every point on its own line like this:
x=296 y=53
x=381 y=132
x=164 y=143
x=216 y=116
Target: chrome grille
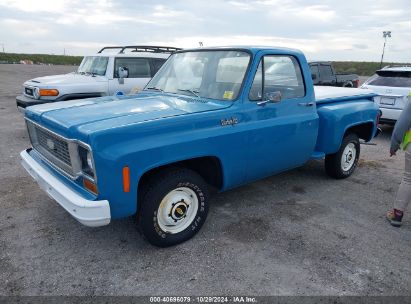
x=51 y=146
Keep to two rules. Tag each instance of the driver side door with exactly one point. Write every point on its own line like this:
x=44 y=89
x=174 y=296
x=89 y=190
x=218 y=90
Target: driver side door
x=283 y=131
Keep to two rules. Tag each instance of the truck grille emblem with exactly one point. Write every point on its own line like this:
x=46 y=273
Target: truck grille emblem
x=50 y=144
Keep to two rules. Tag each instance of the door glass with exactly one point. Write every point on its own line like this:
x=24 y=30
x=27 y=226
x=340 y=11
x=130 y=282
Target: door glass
x=326 y=72
x=137 y=67
x=314 y=69
x=157 y=64
x=281 y=74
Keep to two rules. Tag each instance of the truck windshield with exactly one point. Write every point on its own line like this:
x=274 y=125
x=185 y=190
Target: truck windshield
x=93 y=65
x=206 y=74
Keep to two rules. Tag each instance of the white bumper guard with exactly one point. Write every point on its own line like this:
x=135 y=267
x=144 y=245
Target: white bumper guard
x=88 y=212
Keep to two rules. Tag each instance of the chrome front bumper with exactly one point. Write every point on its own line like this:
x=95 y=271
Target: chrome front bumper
x=88 y=212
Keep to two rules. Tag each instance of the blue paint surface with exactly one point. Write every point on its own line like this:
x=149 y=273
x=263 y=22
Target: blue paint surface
x=152 y=129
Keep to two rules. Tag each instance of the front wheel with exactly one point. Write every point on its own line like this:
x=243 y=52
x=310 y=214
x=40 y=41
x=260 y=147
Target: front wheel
x=174 y=207
x=343 y=163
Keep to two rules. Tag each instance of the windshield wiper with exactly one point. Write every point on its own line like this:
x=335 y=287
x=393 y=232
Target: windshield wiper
x=192 y=91
x=89 y=73
x=154 y=88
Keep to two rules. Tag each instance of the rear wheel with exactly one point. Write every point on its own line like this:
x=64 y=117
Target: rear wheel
x=174 y=207
x=343 y=163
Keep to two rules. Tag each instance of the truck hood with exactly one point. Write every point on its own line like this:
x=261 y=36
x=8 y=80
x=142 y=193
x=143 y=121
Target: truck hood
x=112 y=111
x=64 y=79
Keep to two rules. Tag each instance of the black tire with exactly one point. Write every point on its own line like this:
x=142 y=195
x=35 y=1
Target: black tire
x=333 y=162
x=157 y=189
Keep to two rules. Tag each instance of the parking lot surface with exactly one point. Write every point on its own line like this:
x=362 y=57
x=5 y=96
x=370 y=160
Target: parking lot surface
x=298 y=233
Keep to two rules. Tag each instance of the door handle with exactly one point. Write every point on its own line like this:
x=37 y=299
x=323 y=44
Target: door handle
x=306 y=104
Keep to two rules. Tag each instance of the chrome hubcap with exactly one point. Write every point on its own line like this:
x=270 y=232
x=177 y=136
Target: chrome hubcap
x=348 y=157
x=177 y=210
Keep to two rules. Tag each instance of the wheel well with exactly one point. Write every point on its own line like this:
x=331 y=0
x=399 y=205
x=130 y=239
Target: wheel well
x=209 y=168
x=363 y=131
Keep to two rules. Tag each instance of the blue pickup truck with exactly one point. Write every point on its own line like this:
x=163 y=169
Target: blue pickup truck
x=210 y=119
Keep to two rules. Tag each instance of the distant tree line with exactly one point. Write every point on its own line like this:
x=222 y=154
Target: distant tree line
x=353 y=67
x=361 y=68
x=40 y=59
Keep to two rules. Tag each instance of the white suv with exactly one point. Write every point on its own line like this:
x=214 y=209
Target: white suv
x=125 y=71
x=393 y=84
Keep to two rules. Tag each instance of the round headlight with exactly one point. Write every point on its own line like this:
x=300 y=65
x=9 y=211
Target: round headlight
x=89 y=160
x=36 y=93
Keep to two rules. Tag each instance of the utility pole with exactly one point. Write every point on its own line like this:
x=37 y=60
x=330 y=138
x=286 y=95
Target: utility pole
x=2 y=44
x=385 y=35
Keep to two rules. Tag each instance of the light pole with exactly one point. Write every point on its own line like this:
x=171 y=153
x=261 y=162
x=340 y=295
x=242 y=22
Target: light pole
x=385 y=34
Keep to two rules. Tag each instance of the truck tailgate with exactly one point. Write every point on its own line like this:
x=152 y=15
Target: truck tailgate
x=324 y=94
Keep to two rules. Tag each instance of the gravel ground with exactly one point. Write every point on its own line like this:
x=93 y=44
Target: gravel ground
x=298 y=233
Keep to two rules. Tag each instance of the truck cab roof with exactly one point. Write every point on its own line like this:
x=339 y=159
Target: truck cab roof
x=252 y=49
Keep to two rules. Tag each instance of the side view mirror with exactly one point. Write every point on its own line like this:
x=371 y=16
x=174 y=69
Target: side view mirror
x=271 y=97
x=122 y=73
x=313 y=76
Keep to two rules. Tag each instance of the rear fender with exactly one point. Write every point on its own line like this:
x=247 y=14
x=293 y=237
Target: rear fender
x=337 y=120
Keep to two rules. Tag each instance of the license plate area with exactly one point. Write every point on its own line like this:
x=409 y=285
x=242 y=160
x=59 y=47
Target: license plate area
x=387 y=101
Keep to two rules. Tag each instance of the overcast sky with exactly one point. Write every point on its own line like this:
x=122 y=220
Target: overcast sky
x=324 y=30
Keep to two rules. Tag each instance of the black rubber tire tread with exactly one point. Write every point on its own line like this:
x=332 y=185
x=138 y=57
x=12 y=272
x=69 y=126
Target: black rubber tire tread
x=333 y=161
x=159 y=186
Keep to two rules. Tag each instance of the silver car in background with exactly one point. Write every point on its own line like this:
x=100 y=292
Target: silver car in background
x=393 y=84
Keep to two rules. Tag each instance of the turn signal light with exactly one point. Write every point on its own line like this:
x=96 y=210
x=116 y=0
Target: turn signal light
x=48 y=92
x=126 y=179
x=90 y=185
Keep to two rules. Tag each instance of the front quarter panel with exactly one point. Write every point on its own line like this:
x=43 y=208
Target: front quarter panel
x=148 y=145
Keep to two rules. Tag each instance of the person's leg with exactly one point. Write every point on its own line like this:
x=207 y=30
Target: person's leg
x=404 y=193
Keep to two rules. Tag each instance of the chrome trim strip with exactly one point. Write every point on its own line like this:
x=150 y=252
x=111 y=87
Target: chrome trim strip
x=73 y=152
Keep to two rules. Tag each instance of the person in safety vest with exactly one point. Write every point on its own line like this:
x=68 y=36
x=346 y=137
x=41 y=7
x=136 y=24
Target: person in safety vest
x=401 y=138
